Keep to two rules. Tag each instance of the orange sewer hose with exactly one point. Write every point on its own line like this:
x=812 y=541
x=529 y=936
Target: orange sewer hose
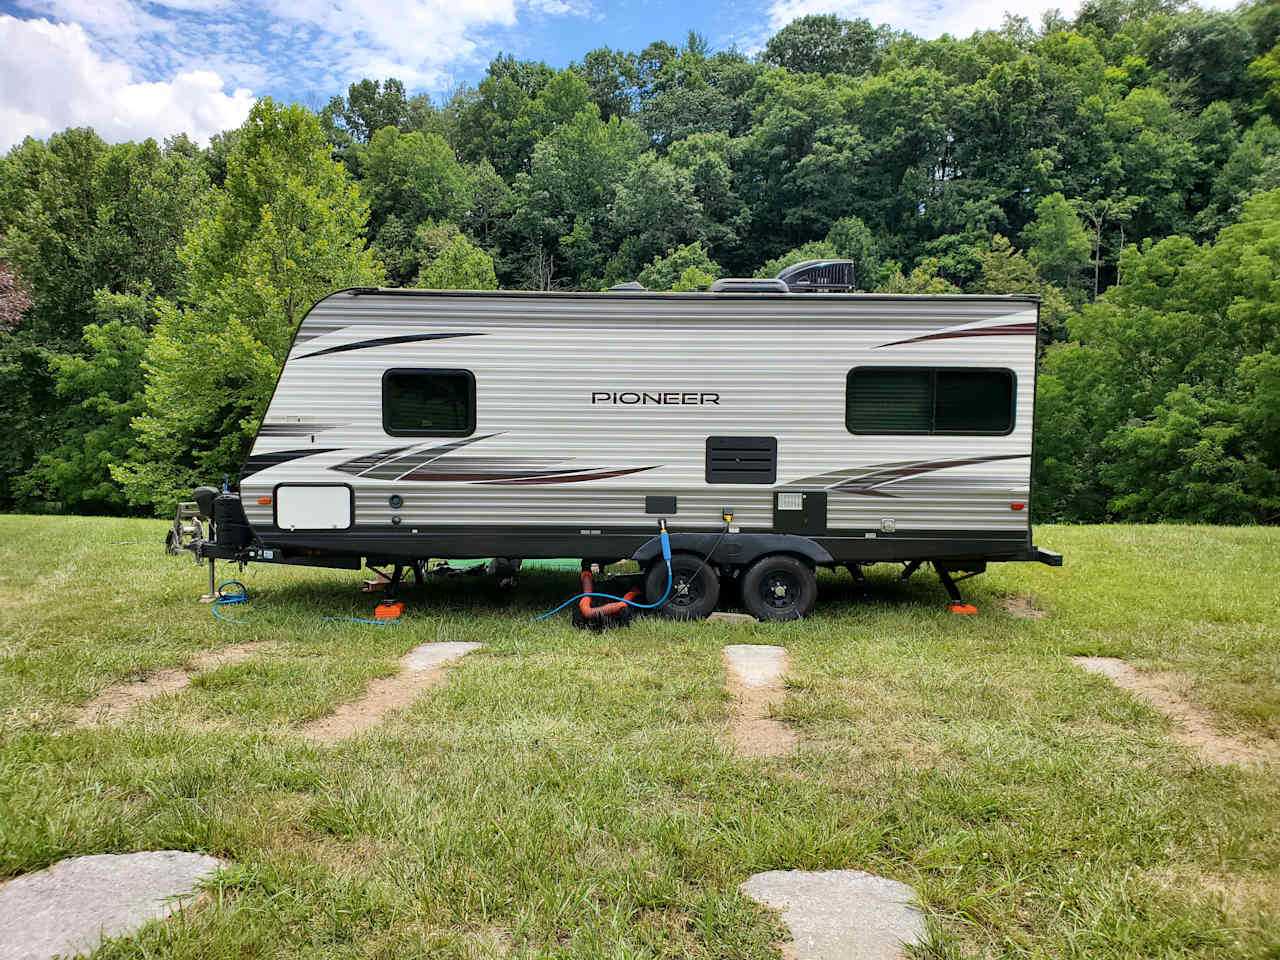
x=608 y=609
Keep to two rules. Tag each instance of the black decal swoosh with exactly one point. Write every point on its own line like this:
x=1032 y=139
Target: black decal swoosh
x=387 y=341
x=261 y=461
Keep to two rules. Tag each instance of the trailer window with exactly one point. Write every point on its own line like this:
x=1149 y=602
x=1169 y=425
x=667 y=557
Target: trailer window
x=929 y=401
x=429 y=403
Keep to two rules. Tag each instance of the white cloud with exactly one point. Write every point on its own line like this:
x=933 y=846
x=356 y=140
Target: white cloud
x=51 y=78
x=152 y=67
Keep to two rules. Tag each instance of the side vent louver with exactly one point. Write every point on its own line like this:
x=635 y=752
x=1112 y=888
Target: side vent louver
x=819 y=276
x=742 y=459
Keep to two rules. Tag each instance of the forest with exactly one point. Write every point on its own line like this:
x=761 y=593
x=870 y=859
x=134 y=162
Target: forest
x=1124 y=165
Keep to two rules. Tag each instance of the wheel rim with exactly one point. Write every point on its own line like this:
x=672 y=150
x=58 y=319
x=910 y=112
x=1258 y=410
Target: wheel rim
x=780 y=590
x=685 y=593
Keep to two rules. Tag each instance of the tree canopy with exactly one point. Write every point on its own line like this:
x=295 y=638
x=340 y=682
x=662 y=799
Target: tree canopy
x=1123 y=165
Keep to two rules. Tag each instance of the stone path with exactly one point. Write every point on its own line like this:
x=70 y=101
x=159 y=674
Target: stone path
x=755 y=674
x=421 y=667
x=841 y=914
x=117 y=700
x=1191 y=726
x=67 y=909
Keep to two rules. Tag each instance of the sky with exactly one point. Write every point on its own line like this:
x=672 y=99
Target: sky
x=133 y=69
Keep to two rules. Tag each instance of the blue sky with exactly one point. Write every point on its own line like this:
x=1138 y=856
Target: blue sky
x=133 y=68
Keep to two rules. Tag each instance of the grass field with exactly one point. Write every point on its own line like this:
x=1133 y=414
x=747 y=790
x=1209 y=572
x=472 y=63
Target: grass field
x=568 y=794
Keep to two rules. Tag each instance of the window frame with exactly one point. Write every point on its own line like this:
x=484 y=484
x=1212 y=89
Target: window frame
x=933 y=372
x=466 y=431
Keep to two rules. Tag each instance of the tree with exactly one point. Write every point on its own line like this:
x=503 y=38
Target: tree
x=1005 y=270
x=1264 y=73
x=287 y=230
x=368 y=107
x=104 y=389
x=685 y=267
x=852 y=239
x=1098 y=213
x=1056 y=241
x=923 y=279
x=824 y=43
x=459 y=266
x=1158 y=409
x=612 y=77
x=411 y=176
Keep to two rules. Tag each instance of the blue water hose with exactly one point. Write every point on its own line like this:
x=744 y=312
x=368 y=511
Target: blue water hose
x=665 y=542
x=372 y=623
x=226 y=599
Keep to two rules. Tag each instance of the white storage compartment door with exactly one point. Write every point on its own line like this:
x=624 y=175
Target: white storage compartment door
x=313 y=506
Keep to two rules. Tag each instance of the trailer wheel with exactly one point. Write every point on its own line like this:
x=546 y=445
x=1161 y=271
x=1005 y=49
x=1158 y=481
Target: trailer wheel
x=779 y=587
x=695 y=587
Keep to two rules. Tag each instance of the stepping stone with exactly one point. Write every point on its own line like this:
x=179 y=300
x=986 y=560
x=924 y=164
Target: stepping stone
x=68 y=909
x=428 y=656
x=841 y=914
x=724 y=617
x=756 y=664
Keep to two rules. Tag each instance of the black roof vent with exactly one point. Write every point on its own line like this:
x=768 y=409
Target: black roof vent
x=819 y=276
x=629 y=285
x=749 y=285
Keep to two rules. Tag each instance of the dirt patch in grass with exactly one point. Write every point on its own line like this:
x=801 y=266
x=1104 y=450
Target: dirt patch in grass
x=420 y=668
x=752 y=731
x=117 y=700
x=1191 y=726
x=1021 y=607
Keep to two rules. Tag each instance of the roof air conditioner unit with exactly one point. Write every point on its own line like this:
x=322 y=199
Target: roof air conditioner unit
x=819 y=276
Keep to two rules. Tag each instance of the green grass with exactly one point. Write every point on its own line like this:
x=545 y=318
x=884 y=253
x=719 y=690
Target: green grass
x=567 y=794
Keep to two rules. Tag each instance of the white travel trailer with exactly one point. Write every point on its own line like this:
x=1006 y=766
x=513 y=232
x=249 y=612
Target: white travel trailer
x=772 y=431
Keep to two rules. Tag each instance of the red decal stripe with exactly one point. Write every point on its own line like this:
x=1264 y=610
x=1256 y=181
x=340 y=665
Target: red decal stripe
x=1009 y=329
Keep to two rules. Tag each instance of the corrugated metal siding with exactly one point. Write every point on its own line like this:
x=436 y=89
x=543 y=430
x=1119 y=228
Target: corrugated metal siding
x=778 y=364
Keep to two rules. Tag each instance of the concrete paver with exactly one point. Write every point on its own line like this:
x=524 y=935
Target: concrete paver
x=68 y=908
x=841 y=914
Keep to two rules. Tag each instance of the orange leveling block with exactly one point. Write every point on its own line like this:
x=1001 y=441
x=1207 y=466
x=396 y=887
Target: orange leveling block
x=388 y=610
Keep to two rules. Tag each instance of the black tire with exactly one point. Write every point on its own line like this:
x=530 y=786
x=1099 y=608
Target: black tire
x=690 y=599
x=779 y=587
x=171 y=544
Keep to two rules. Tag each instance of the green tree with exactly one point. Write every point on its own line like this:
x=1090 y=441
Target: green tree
x=368 y=107
x=411 y=176
x=1005 y=270
x=287 y=230
x=923 y=278
x=1056 y=241
x=104 y=389
x=686 y=267
x=459 y=266
x=824 y=43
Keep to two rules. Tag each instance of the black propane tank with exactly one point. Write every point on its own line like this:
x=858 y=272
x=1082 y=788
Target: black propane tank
x=230 y=523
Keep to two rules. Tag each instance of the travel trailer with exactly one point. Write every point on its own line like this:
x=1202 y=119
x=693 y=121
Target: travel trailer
x=773 y=431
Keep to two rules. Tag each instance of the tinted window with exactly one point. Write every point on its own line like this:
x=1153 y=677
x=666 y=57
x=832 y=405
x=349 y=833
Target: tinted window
x=973 y=401
x=929 y=400
x=894 y=400
x=428 y=403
